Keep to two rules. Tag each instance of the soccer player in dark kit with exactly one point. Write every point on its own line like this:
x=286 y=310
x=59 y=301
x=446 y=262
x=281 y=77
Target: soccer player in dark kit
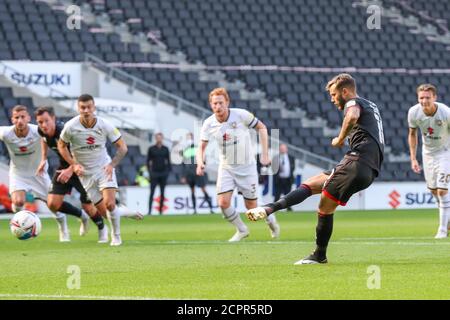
x=363 y=126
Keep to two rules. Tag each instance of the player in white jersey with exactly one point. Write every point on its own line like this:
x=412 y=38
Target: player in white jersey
x=433 y=120
x=24 y=147
x=230 y=127
x=87 y=135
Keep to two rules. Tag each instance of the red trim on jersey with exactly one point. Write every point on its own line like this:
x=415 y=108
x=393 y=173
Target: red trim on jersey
x=329 y=196
x=306 y=186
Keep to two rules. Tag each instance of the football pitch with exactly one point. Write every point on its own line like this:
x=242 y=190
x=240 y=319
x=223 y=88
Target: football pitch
x=372 y=255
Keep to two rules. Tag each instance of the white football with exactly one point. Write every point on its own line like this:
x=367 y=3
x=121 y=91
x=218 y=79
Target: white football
x=25 y=225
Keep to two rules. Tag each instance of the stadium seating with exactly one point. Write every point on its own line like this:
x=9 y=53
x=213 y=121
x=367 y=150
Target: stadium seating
x=291 y=33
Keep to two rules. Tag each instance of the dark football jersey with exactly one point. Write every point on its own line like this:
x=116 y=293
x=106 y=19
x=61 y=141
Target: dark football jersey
x=52 y=143
x=366 y=138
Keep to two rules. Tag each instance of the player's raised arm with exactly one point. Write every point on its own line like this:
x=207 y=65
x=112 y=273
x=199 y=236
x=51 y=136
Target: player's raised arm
x=44 y=153
x=412 y=142
x=200 y=157
x=264 y=140
x=352 y=115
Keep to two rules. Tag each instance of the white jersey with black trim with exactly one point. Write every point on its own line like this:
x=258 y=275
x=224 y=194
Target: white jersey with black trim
x=24 y=152
x=234 y=140
x=88 y=145
x=435 y=129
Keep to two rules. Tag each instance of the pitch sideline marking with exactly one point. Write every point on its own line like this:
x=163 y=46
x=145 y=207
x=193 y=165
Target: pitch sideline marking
x=345 y=242
x=57 y=296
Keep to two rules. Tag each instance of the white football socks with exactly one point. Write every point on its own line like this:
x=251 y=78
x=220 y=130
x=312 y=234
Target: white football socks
x=84 y=215
x=444 y=212
x=234 y=218
x=114 y=220
x=271 y=220
x=61 y=218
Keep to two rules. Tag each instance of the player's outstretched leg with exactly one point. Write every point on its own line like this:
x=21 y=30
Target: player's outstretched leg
x=271 y=220
x=292 y=198
x=128 y=213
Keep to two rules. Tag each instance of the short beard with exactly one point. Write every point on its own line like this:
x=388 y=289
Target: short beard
x=341 y=103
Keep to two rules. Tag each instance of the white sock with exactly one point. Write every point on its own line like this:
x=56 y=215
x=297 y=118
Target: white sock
x=444 y=212
x=233 y=217
x=84 y=215
x=271 y=220
x=16 y=208
x=114 y=220
x=61 y=218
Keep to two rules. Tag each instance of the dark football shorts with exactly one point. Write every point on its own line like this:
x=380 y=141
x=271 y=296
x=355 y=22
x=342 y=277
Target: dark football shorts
x=347 y=178
x=194 y=180
x=66 y=188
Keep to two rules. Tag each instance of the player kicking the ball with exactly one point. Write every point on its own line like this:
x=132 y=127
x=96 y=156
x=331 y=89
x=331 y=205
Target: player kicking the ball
x=361 y=164
x=229 y=127
x=87 y=135
x=64 y=179
x=26 y=173
x=433 y=119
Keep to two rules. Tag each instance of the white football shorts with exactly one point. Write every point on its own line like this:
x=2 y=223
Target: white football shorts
x=94 y=184
x=37 y=185
x=247 y=185
x=436 y=169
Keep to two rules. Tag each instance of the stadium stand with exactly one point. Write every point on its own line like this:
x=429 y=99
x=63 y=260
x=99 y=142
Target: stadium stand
x=283 y=33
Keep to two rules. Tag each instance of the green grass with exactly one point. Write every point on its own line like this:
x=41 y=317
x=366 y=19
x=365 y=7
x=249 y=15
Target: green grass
x=187 y=257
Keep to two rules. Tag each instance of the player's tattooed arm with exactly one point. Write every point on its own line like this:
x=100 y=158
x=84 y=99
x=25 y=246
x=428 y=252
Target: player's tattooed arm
x=350 y=119
x=41 y=169
x=121 y=152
